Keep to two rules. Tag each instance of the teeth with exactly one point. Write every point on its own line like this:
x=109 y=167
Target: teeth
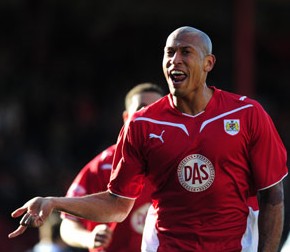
x=176 y=72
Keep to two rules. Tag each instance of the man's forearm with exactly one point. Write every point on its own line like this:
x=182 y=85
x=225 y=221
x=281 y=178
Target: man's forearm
x=271 y=218
x=101 y=207
x=271 y=221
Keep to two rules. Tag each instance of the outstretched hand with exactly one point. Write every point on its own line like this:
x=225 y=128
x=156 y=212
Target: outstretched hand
x=35 y=213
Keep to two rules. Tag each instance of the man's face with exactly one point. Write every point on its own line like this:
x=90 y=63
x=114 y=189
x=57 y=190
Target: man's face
x=184 y=63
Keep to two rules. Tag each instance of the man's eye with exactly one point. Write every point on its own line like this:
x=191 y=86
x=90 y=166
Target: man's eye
x=185 y=52
x=170 y=53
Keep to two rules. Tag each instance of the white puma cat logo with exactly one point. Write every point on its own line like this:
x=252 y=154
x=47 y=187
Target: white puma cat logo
x=152 y=135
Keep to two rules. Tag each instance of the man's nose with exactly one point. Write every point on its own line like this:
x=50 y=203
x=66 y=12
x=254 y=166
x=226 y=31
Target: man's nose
x=176 y=59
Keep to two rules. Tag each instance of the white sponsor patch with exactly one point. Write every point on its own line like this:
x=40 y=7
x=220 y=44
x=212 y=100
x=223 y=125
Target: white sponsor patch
x=196 y=173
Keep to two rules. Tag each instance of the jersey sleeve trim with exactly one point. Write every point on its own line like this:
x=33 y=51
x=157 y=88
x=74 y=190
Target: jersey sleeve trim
x=121 y=196
x=264 y=188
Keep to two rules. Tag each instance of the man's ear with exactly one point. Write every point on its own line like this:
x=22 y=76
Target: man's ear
x=209 y=62
x=125 y=116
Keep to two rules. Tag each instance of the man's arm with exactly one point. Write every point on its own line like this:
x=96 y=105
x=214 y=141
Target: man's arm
x=100 y=207
x=74 y=234
x=271 y=218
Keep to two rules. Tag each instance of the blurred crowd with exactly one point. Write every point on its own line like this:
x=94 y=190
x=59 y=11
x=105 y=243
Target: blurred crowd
x=43 y=144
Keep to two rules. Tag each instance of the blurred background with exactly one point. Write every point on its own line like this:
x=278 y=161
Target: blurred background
x=65 y=67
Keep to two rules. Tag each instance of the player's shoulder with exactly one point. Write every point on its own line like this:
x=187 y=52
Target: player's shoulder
x=109 y=151
x=154 y=108
x=102 y=161
x=238 y=99
x=107 y=154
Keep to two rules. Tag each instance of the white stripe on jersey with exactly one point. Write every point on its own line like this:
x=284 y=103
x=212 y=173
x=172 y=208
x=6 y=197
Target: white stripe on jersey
x=222 y=115
x=178 y=125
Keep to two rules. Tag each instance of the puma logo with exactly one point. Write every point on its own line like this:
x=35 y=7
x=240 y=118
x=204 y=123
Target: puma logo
x=152 y=135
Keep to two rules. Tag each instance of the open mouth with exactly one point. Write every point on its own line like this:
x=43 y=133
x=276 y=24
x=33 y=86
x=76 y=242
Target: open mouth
x=177 y=76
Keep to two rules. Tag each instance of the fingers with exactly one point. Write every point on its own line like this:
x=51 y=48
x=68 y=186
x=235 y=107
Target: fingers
x=33 y=216
x=23 y=223
x=27 y=220
x=18 y=212
x=20 y=230
x=31 y=220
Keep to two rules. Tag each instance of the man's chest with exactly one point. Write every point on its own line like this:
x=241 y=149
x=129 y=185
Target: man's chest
x=196 y=152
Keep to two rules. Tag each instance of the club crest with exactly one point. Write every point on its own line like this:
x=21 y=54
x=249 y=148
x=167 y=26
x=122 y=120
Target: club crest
x=232 y=126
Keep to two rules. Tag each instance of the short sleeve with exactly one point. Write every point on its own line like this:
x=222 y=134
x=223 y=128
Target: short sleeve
x=268 y=155
x=127 y=177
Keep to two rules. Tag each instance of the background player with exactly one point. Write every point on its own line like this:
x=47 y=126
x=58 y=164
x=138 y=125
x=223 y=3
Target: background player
x=94 y=177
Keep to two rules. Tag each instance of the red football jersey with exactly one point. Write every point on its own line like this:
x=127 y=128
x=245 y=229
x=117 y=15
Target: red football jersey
x=93 y=178
x=203 y=169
